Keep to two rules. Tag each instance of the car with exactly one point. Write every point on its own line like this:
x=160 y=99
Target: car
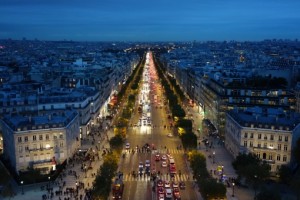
x=161 y=197
x=157 y=157
x=169 y=156
x=182 y=185
x=160 y=183
x=160 y=190
x=127 y=146
x=170 y=135
x=176 y=194
x=141 y=165
x=147 y=171
x=164 y=157
x=175 y=184
x=167 y=184
x=172 y=169
x=164 y=164
x=147 y=163
x=168 y=193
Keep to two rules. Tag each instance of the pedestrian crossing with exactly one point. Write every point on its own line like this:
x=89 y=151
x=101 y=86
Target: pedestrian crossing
x=163 y=151
x=164 y=177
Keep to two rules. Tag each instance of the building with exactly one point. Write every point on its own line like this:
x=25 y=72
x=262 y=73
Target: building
x=271 y=134
x=40 y=142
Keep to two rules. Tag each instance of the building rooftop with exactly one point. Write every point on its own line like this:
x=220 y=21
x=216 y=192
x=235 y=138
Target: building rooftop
x=270 y=118
x=51 y=120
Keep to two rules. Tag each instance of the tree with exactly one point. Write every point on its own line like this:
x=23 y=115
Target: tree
x=8 y=191
x=103 y=181
x=210 y=189
x=285 y=174
x=296 y=151
x=251 y=168
x=189 y=140
x=177 y=111
x=117 y=142
x=295 y=185
x=198 y=164
x=268 y=194
x=187 y=124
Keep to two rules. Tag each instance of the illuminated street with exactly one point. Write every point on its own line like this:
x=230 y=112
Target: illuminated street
x=152 y=126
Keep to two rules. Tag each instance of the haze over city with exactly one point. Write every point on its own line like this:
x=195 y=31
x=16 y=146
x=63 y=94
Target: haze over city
x=156 y=20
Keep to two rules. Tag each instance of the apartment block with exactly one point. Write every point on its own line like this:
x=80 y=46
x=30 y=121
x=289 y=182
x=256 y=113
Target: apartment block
x=271 y=134
x=40 y=142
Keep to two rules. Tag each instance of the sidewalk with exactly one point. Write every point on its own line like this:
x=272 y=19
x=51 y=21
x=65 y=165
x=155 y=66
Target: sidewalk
x=216 y=156
x=73 y=176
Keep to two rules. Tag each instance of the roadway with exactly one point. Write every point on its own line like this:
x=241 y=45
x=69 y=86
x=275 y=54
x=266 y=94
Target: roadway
x=140 y=187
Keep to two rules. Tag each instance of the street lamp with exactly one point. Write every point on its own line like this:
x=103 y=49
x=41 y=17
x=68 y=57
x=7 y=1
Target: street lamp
x=214 y=156
x=22 y=187
x=49 y=181
x=255 y=177
x=233 y=189
x=85 y=171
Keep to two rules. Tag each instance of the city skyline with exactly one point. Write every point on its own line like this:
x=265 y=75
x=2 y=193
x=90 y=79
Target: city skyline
x=149 y=21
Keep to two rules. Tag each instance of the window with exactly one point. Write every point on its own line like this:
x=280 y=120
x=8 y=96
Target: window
x=61 y=144
x=270 y=157
x=279 y=147
x=245 y=143
x=265 y=137
x=34 y=138
x=245 y=135
x=54 y=137
x=61 y=136
x=258 y=145
x=26 y=138
x=259 y=136
x=26 y=148
x=251 y=135
x=265 y=145
x=41 y=146
x=280 y=138
x=40 y=137
x=278 y=157
x=20 y=149
x=258 y=154
x=34 y=146
x=19 y=139
x=251 y=144
x=272 y=137
x=284 y=159
x=47 y=137
x=285 y=147
x=286 y=138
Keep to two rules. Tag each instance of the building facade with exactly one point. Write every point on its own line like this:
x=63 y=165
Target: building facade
x=270 y=134
x=40 y=142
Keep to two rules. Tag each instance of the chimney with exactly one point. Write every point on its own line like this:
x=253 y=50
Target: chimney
x=49 y=117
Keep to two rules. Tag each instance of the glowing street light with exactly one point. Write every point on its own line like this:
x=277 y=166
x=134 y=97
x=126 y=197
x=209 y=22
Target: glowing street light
x=22 y=187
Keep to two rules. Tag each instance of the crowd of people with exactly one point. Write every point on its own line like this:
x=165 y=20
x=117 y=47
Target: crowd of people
x=76 y=180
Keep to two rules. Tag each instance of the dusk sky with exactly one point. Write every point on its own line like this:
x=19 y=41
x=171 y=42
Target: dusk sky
x=156 y=20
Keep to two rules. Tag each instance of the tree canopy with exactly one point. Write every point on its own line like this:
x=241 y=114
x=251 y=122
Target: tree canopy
x=251 y=168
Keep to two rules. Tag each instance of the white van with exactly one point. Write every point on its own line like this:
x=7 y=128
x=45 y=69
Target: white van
x=172 y=162
x=168 y=193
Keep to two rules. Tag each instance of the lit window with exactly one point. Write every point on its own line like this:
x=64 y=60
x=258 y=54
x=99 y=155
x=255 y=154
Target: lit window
x=284 y=158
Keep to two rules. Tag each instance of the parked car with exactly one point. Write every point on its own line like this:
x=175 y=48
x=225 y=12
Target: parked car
x=182 y=185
